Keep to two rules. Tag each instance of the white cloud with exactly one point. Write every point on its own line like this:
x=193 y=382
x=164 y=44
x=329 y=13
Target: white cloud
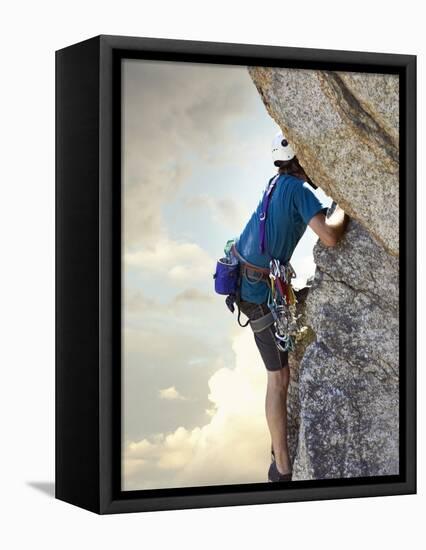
x=170 y=393
x=177 y=261
x=192 y=295
x=173 y=113
x=232 y=447
x=222 y=210
x=136 y=301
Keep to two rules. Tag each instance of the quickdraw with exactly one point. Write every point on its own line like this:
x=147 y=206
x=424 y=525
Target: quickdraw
x=282 y=304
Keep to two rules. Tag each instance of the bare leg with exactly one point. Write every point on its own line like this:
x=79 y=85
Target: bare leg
x=276 y=416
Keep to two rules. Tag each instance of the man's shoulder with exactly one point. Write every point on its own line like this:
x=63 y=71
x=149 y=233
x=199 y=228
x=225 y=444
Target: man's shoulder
x=296 y=180
x=292 y=180
x=301 y=186
x=293 y=185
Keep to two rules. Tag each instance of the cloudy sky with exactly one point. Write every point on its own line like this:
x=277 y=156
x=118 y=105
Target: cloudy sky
x=196 y=158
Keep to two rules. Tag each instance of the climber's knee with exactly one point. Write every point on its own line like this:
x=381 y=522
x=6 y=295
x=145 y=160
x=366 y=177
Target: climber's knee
x=278 y=379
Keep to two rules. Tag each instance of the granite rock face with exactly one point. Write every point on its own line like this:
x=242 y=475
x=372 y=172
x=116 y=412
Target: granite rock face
x=344 y=130
x=348 y=376
x=343 y=397
x=293 y=399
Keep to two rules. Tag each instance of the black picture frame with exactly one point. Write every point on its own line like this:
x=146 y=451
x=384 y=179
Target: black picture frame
x=88 y=274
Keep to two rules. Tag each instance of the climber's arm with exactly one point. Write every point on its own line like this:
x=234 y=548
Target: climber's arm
x=331 y=229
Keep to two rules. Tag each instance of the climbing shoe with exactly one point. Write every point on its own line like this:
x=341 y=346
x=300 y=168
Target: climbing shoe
x=275 y=475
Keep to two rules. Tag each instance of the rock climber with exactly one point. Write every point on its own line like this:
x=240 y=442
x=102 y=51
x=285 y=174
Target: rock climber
x=292 y=207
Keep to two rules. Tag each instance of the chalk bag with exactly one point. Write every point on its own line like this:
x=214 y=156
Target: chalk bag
x=226 y=276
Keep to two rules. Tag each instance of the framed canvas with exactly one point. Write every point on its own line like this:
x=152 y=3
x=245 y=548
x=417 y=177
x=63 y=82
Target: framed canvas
x=179 y=166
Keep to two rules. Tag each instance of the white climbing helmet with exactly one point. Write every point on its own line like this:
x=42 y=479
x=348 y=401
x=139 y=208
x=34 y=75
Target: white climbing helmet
x=281 y=149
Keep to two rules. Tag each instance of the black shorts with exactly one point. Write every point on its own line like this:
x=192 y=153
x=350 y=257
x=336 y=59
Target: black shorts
x=274 y=358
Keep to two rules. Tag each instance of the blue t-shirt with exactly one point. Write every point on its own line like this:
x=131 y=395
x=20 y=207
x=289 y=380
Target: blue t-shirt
x=291 y=207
